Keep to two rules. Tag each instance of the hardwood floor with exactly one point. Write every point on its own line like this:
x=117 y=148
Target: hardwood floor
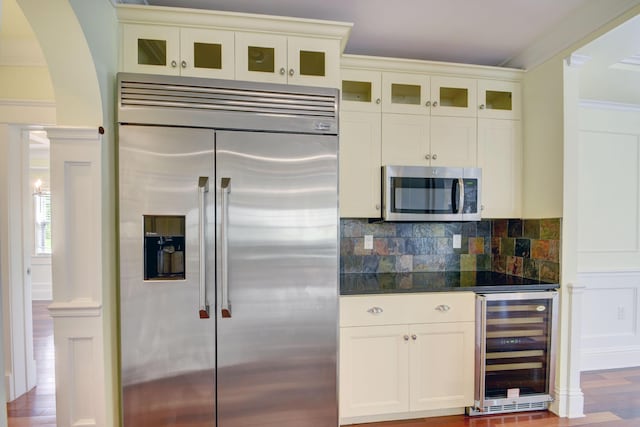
x=38 y=407
x=612 y=398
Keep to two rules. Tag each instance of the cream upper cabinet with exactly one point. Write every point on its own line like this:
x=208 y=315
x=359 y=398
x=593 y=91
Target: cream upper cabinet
x=412 y=140
x=500 y=157
x=156 y=49
x=294 y=60
x=453 y=96
x=405 y=93
x=361 y=91
x=453 y=141
x=499 y=99
x=405 y=354
x=360 y=164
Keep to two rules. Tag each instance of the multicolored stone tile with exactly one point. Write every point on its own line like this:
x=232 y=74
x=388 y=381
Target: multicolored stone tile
x=429 y=263
x=540 y=249
x=429 y=229
x=387 y=264
x=468 y=262
x=514 y=266
x=532 y=228
x=531 y=269
x=500 y=228
x=549 y=271
x=515 y=228
x=523 y=248
x=550 y=228
x=508 y=246
x=404 y=263
x=476 y=245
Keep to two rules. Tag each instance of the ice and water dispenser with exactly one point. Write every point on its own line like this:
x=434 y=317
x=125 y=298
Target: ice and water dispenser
x=164 y=247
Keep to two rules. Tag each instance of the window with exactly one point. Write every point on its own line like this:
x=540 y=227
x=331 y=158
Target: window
x=42 y=220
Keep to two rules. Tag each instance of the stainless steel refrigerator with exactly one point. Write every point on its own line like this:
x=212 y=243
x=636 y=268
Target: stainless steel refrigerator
x=228 y=253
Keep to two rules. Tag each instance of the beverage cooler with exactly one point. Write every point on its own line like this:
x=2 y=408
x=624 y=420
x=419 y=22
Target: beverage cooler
x=515 y=352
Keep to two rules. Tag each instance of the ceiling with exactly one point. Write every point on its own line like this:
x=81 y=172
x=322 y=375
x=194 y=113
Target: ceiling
x=514 y=33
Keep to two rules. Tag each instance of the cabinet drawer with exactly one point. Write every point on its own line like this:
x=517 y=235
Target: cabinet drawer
x=374 y=310
x=443 y=307
x=437 y=307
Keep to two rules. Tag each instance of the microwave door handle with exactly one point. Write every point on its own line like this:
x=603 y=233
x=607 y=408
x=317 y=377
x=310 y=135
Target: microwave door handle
x=460 y=195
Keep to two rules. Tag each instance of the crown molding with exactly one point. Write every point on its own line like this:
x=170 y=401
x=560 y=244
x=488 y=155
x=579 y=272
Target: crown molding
x=574 y=28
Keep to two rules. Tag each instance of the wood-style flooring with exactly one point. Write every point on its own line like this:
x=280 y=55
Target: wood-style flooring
x=612 y=398
x=38 y=407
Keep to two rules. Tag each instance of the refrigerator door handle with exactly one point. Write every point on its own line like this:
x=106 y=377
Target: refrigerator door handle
x=225 y=307
x=203 y=187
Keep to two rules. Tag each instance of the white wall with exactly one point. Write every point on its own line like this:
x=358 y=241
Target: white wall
x=609 y=234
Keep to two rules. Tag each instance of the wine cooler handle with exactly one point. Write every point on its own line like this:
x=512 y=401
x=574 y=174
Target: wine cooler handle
x=203 y=187
x=225 y=307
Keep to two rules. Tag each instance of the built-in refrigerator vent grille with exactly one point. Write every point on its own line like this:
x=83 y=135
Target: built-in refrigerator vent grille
x=535 y=406
x=236 y=100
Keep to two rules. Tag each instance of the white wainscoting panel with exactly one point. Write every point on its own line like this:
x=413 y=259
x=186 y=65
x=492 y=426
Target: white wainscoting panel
x=78 y=318
x=611 y=320
x=609 y=189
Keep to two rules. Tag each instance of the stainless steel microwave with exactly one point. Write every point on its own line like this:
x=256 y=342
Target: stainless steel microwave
x=421 y=193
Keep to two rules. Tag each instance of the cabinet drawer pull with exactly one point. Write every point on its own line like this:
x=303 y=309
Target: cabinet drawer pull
x=375 y=310
x=443 y=308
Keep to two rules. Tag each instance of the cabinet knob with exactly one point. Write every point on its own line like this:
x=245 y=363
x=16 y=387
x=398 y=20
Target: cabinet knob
x=435 y=103
x=282 y=71
x=174 y=64
x=427 y=157
x=375 y=310
x=434 y=157
x=443 y=308
x=291 y=72
x=378 y=101
x=377 y=206
x=184 y=64
x=481 y=207
x=406 y=337
x=482 y=106
x=428 y=104
x=414 y=337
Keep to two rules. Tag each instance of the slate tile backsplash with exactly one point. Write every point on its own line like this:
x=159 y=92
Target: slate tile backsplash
x=525 y=248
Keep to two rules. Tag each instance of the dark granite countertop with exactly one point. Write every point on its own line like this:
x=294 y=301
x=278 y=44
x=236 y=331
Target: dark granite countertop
x=475 y=281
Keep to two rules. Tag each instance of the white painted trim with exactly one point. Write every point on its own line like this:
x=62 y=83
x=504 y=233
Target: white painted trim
x=568 y=403
x=401 y=416
x=610 y=358
x=608 y=105
x=77 y=308
x=30 y=112
x=573 y=29
x=375 y=63
x=577 y=60
x=232 y=21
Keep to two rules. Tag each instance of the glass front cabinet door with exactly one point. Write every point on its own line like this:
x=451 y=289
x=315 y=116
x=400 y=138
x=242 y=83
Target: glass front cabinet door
x=361 y=91
x=178 y=51
x=453 y=96
x=499 y=99
x=293 y=60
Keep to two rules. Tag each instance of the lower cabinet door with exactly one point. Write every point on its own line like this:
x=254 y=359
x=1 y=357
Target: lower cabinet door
x=373 y=370
x=441 y=363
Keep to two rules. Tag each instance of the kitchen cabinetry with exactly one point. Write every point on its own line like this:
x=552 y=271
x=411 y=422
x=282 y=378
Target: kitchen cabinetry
x=228 y=45
x=176 y=51
x=434 y=114
x=360 y=172
x=292 y=60
x=500 y=157
x=499 y=100
x=412 y=140
x=406 y=354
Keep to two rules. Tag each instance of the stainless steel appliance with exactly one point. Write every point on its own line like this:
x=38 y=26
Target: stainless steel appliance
x=417 y=193
x=515 y=351
x=228 y=253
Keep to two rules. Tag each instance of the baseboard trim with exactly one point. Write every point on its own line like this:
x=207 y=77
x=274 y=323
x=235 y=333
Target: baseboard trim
x=41 y=291
x=568 y=403
x=593 y=359
x=400 y=416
